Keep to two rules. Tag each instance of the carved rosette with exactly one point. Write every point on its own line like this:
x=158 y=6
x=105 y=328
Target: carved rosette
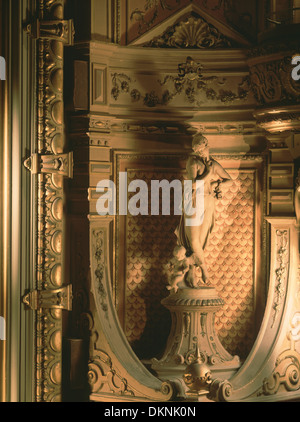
x=50 y=230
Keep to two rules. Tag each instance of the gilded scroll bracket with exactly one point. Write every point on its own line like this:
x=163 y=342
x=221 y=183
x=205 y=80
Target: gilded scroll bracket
x=50 y=299
x=58 y=30
x=60 y=164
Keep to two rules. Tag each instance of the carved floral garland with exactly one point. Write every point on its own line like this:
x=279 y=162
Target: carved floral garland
x=121 y=84
x=281 y=273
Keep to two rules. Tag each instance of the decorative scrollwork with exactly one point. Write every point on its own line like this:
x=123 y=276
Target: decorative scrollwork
x=272 y=83
x=104 y=378
x=287 y=366
x=266 y=84
x=220 y=390
x=193 y=32
x=286 y=373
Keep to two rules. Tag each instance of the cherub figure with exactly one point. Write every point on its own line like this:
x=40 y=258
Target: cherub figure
x=179 y=266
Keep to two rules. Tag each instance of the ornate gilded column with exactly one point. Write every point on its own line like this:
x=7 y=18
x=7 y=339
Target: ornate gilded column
x=51 y=165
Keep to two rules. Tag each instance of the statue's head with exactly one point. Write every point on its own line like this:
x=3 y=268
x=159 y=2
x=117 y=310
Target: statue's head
x=200 y=144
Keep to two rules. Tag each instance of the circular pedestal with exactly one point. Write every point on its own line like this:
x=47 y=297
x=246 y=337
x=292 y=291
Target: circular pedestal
x=193 y=316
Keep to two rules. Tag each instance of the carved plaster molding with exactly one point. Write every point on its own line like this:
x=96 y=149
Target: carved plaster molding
x=272 y=369
x=175 y=86
x=150 y=27
x=50 y=197
x=287 y=366
x=277 y=94
x=97 y=130
x=272 y=83
x=114 y=369
x=153 y=7
x=192 y=32
x=102 y=374
x=278 y=120
x=281 y=272
x=114 y=125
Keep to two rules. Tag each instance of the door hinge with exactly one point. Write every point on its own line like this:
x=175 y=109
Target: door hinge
x=60 y=164
x=50 y=299
x=57 y=30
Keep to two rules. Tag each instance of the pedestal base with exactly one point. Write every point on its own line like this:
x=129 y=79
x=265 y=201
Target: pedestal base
x=193 y=316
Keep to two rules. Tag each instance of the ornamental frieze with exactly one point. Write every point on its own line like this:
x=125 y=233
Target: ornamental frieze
x=194 y=91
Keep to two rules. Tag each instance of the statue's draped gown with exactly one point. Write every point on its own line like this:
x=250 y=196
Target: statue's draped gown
x=194 y=239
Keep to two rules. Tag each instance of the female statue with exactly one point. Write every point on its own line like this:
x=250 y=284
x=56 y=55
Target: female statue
x=201 y=166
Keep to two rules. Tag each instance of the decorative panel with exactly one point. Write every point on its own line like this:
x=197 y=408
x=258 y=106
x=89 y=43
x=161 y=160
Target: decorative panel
x=99 y=84
x=150 y=90
x=231 y=256
x=142 y=16
x=230 y=259
x=149 y=246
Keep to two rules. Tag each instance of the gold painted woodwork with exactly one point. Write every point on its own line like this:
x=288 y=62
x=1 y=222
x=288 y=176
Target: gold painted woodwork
x=139 y=18
x=276 y=92
x=115 y=373
x=193 y=32
x=50 y=219
x=114 y=123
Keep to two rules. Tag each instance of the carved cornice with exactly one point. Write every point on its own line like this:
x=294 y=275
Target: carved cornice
x=281 y=119
x=93 y=124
